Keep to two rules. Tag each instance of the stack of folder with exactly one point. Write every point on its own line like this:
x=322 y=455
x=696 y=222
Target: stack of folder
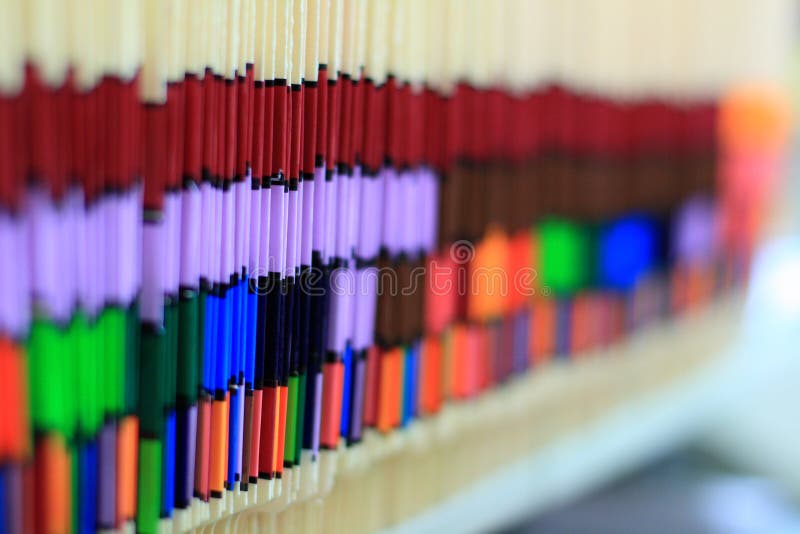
x=239 y=239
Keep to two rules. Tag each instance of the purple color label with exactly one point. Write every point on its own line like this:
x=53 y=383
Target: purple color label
x=206 y=230
x=291 y=237
x=320 y=204
x=228 y=222
x=172 y=225
x=138 y=238
x=264 y=236
x=317 y=414
x=95 y=263
x=152 y=299
x=240 y=406
x=331 y=209
x=189 y=454
x=354 y=217
x=217 y=251
x=307 y=226
x=341 y=308
x=132 y=251
x=369 y=239
x=343 y=216
x=13 y=502
x=100 y=275
x=71 y=214
x=358 y=401
x=392 y=196
x=276 y=223
x=45 y=225
x=521 y=327
x=408 y=212
x=254 y=232
x=107 y=475
x=694 y=227
x=242 y=223
x=284 y=233
x=8 y=270
x=364 y=309
x=430 y=214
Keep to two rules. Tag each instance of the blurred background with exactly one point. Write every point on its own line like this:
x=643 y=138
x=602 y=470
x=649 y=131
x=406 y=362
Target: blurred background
x=718 y=456
x=739 y=472
x=726 y=461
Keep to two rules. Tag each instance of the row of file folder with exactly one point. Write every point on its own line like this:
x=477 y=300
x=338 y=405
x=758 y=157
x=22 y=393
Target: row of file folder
x=234 y=234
